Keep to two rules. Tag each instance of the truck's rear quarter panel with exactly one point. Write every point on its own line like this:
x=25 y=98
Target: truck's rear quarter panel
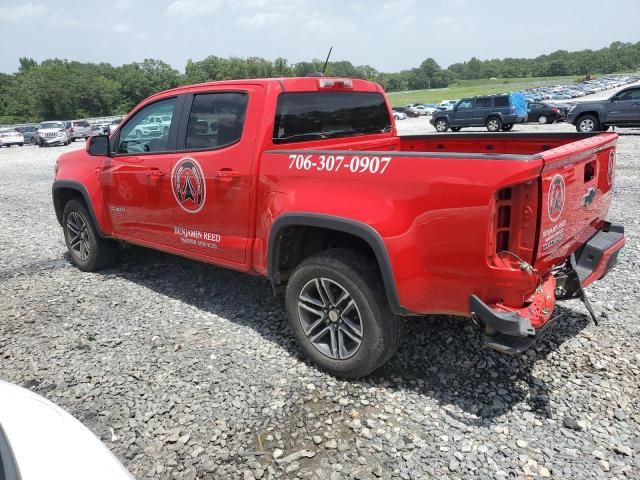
x=435 y=203
x=432 y=211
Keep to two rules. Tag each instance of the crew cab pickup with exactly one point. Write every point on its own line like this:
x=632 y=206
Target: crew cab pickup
x=305 y=181
x=620 y=110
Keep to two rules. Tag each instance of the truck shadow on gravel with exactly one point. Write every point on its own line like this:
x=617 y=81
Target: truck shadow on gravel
x=441 y=357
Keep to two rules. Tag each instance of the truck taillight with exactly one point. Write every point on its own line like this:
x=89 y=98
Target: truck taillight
x=335 y=83
x=514 y=222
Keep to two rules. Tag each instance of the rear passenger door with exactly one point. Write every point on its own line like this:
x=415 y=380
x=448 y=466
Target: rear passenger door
x=211 y=178
x=481 y=110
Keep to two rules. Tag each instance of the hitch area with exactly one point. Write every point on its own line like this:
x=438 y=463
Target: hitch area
x=513 y=330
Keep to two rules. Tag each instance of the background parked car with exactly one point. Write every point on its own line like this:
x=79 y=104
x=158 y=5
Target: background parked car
x=28 y=132
x=52 y=133
x=9 y=136
x=78 y=129
x=112 y=126
x=398 y=115
x=543 y=112
x=408 y=110
x=495 y=112
x=621 y=109
x=447 y=104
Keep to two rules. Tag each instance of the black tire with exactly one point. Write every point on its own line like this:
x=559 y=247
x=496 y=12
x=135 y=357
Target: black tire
x=100 y=252
x=507 y=127
x=21 y=144
x=396 y=117
x=456 y=129
x=543 y=119
x=587 y=124
x=493 y=124
x=441 y=125
x=357 y=275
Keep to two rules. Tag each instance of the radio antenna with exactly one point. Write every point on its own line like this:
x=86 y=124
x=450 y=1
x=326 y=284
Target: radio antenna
x=327 y=60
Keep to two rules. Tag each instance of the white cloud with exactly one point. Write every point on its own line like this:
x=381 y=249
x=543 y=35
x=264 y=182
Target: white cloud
x=193 y=8
x=260 y=20
x=120 y=28
x=21 y=13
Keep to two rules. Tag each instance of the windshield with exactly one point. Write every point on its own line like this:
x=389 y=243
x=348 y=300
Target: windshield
x=51 y=125
x=304 y=116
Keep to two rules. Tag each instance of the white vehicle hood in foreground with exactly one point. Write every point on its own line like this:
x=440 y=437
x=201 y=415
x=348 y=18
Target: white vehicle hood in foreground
x=50 y=444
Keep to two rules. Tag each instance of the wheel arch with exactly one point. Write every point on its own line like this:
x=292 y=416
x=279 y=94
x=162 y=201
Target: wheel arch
x=330 y=224
x=63 y=191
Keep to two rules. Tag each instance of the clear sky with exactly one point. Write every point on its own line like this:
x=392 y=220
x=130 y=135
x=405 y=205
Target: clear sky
x=389 y=35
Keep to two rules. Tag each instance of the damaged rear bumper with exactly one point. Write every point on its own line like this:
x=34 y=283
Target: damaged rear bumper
x=513 y=330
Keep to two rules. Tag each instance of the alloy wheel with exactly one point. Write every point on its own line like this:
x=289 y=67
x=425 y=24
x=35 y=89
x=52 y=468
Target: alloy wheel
x=492 y=125
x=330 y=318
x=78 y=232
x=586 y=125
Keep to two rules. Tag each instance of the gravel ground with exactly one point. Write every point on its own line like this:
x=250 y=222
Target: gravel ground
x=188 y=371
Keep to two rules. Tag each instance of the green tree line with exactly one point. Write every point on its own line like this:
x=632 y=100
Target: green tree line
x=61 y=89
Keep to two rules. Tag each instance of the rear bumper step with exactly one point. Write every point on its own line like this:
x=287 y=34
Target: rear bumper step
x=513 y=330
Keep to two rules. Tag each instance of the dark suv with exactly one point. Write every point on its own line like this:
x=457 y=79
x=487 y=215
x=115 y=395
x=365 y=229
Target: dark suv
x=622 y=110
x=496 y=112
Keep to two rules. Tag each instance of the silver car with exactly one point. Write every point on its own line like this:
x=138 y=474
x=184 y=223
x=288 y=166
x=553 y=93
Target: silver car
x=78 y=129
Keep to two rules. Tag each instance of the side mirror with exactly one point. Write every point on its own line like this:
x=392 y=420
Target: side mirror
x=98 y=146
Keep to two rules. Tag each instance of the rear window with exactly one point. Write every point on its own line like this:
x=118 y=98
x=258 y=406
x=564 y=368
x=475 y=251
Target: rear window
x=501 y=101
x=307 y=116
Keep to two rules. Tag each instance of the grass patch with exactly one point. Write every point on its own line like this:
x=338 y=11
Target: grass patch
x=471 y=88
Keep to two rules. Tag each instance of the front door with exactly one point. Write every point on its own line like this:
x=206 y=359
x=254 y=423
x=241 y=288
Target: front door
x=625 y=107
x=462 y=114
x=136 y=178
x=211 y=177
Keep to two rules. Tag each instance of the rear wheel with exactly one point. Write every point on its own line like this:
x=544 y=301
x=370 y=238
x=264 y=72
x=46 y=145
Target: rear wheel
x=494 y=124
x=338 y=312
x=396 y=117
x=441 y=125
x=587 y=124
x=507 y=127
x=542 y=119
x=88 y=250
x=21 y=144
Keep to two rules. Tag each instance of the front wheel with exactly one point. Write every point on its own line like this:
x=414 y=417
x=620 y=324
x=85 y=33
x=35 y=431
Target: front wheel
x=338 y=312
x=542 y=119
x=441 y=125
x=587 y=124
x=88 y=250
x=494 y=124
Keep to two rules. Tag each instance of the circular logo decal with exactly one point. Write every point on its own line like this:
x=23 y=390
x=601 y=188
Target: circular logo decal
x=188 y=185
x=556 y=197
x=612 y=163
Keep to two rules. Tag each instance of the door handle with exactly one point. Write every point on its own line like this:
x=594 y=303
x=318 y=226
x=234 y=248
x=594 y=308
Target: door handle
x=155 y=173
x=226 y=174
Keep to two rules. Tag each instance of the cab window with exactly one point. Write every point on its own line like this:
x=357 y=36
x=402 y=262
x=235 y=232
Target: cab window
x=216 y=120
x=141 y=134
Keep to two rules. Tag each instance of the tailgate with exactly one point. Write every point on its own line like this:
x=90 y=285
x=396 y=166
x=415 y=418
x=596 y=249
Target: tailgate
x=576 y=188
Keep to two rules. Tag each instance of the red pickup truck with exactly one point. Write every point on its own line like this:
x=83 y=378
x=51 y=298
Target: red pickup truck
x=305 y=181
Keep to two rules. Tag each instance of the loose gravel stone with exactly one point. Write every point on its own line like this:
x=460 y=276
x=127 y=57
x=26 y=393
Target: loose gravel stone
x=188 y=371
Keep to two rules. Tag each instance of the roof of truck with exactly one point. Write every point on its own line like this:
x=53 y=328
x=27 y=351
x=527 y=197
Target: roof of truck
x=287 y=84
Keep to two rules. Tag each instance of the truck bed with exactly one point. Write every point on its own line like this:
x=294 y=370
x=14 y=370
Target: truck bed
x=490 y=143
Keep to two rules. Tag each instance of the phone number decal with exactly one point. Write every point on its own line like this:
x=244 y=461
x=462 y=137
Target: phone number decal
x=339 y=163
